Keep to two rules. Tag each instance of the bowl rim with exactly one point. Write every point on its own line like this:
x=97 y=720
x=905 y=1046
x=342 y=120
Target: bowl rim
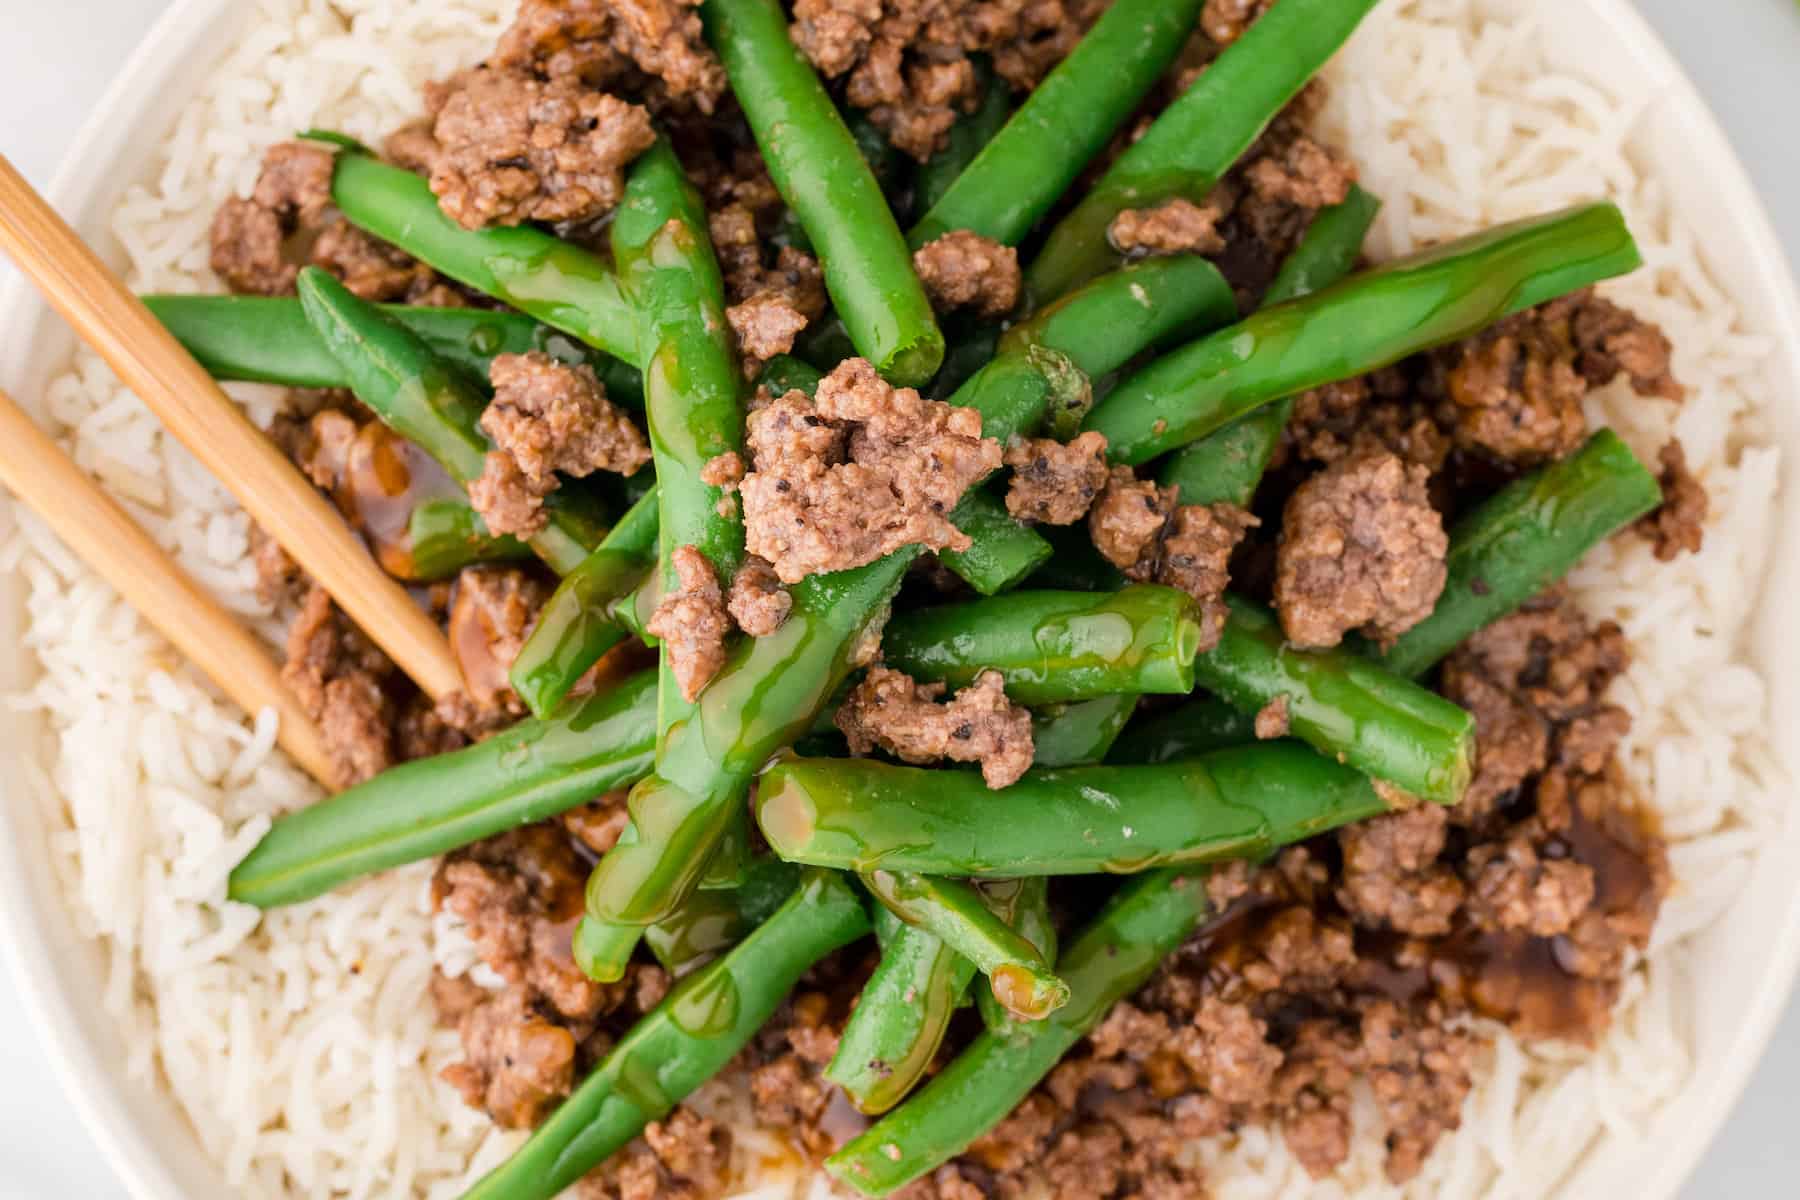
x=28 y=943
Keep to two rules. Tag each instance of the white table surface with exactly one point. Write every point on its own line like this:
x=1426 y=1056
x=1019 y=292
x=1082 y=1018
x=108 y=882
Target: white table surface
x=55 y=59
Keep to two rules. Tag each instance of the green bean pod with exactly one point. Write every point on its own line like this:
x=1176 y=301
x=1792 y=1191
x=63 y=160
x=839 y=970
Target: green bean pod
x=1523 y=539
x=900 y=1020
x=688 y=1038
x=1344 y=706
x=769 y=693
x=816 y=166
x=444 y=535
x=1186 y=731
x=711 y=922
x=580 y=622
x=865 y=815
x=1114 y=956
x=557 y=282
x=1055 y=647
x=1368 y=321
x=1002 y=553
x=1195 y=141
x=1065 y=121
x=1017 y=972
x=267 y=339
x=1024 y=904
x=430 y=403
x=1079 y=734
x=1226 y=467
x=692 y=385
x=532 y=771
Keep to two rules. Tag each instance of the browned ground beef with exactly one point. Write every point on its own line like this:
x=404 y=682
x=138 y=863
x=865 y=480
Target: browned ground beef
x=1175 y=226
x=1361 y=547
x=906 y=62
x=962 y=269
x=1679 y=523
x=857 y=472
x=979 y=724
x=758 y=603
x=342 y=679
x=1141 y=529
x=1224 y=21
x=1272 y=719
x=649 y=48
x=1054 y=483
x=691 y=622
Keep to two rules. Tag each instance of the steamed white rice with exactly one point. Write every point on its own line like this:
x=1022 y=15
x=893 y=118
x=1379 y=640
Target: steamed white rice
x=302 y=1048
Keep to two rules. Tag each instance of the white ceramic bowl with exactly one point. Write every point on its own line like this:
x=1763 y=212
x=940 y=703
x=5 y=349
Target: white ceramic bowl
x=1748 y=962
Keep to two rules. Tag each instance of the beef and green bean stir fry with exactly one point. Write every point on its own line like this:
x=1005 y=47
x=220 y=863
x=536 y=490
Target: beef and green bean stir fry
x=983 y=612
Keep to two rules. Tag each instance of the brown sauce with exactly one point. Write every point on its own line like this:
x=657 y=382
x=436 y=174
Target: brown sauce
x=385 y=479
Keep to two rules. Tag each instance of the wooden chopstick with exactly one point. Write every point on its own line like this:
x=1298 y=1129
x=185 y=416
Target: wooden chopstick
x=105 y=537
x=191 y=405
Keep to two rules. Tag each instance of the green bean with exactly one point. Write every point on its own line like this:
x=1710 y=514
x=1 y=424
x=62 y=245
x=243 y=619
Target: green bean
x=427 y=401
x=1368 y=321
x=1024 y=904
x=1105 y=323
x=532 y=771
x=1020 y=978
x=1184 y=732
x=968 y=137
x=1511 y=547
x=713 y=921
x=555 y=281
x=692 y=385
x=267 y=339
x=769 y=693
x=1114 y=956
x=1079 y=734
x=1226 y=467
x=1195 y=141
x=864 y=815
x=579 y=623
x=816 y=166
x=1065 y=121
x=899 y=1022
x=1002 y=552
x=1344 y=706
x=784 y=373
x=1077 y=564
x=444 y=535
x=701 y=1025
x=1055 y=647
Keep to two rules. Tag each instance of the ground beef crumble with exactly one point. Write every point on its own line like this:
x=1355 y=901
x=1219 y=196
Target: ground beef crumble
x=979 y=724
x=654 y=49
x=1272 y=719
x=859 y=471
x=1054 y=483
x=547 y=417
x=1141 y=529
x=1176 y=226
x=1224 y=21
x=343 y=681
x=1679 y=522
x=962 y=269
x=758 y=603
x=691 y=622
x=1361 y=547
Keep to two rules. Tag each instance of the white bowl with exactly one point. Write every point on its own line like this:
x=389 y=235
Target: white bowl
x=1748 y=961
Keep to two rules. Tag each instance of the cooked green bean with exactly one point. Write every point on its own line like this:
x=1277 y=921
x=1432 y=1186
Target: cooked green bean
x=816 y=166
x=1017 y=972
x=430 y=403
x=1055 y=647
x=1024 y=904
x=1184 y=732
x=1226 y=467
x=444 y=535
x=1114 y=956
x=701 y=1025
x=1514 y=545
x=864 y=815
x=901 y=1017
x=1079 y=734
x=1368 y=321
x=1065 y=121
x=712 y=921
x=580 y=622
x=557 y=282
x=1195 y=141
x=1344 y=706
x=769 y=693
x=1003 y=552
x=267 y=339
x=532 y=771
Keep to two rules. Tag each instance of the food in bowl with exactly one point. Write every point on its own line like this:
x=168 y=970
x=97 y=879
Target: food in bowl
x=1296 y=508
